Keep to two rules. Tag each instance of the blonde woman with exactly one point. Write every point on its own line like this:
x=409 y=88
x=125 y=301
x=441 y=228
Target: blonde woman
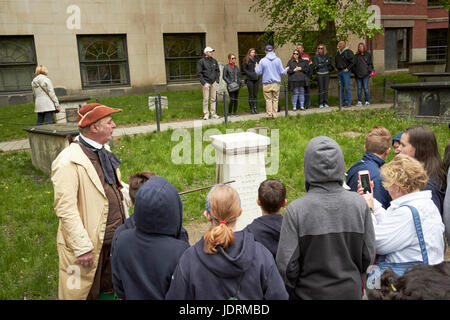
x=395 y=232
x=45 y=102
x=323 y=67
x=225 y=264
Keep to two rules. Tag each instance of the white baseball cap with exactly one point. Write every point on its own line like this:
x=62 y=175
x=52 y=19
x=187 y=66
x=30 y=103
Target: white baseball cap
x=208 y=49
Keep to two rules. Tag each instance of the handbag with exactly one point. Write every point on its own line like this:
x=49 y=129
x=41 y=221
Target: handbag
x=232 y=87
x=371 y=73
x=401 y=267
x=57 y=108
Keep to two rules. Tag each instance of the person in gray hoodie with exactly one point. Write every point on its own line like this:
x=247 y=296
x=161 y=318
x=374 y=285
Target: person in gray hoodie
x=327 y=238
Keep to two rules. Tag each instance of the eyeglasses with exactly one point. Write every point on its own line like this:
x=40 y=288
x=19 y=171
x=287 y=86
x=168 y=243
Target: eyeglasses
x=233 y=58
x=320 y=48
x=296 y=53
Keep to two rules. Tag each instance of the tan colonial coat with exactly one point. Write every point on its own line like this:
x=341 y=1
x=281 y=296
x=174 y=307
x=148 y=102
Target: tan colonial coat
x=82 y=208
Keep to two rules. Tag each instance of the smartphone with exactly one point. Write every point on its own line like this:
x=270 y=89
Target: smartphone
x=364 y=178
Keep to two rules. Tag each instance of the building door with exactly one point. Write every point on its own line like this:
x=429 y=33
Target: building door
x=397 y=48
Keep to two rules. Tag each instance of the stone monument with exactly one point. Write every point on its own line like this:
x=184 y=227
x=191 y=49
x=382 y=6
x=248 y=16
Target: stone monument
x=241 y=157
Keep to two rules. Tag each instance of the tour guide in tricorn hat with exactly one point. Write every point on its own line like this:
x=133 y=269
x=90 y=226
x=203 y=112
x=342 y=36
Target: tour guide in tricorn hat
x=90 y=206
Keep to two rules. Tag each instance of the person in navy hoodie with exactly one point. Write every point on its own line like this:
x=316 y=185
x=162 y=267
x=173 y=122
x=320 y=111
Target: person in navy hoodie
x=377 y=147
x=225 y=264
x=145 y=257
x=266 y=229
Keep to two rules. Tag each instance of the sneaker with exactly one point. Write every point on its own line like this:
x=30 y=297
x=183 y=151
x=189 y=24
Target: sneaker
x=359 y=104
x=215 y=116
x=367 y=103
x=302 y=108
x=321 y=106
x=326 y=106
x=295 y=108
x=206 y=117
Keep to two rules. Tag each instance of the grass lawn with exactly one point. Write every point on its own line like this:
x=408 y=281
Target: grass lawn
x=185 y=104
x=29 y=261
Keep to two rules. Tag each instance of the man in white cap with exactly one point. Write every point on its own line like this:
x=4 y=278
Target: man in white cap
x=209 y=74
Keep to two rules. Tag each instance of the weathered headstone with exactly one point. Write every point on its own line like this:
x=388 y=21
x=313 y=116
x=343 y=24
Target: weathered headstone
x=152 y=99
x=69 y=103
x=241 y=157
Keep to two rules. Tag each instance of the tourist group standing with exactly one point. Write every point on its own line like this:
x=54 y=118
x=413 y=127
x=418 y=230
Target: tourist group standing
x=300 y=68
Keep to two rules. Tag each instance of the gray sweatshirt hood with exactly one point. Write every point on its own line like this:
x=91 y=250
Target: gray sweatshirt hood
x=323 y=162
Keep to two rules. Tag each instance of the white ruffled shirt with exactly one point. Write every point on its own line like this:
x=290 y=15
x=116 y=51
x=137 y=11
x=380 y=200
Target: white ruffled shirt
x=395 y=234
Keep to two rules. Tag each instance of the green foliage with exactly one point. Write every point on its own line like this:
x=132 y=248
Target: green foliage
x=293 y=21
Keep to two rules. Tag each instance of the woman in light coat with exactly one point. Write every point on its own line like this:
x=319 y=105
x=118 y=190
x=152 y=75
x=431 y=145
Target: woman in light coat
x=45 y=98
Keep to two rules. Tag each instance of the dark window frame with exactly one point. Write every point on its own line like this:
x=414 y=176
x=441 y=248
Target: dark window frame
x=32 y=64
x=167 y=59
x=438 y=45
x=260 y=51
x=104 y=62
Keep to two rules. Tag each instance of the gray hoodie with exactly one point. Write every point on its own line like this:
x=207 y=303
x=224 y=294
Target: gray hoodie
x=327 y=239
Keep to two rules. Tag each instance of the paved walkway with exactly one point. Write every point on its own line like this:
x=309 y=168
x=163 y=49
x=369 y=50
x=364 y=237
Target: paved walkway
x=23 y=144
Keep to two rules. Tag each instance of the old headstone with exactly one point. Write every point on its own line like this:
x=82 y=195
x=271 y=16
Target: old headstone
x=152 y=99
x=241 y=157
x=71 y=103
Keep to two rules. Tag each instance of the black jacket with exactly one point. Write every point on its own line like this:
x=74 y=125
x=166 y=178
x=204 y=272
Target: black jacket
x=247 y=263
x=145 y=258
x=302 y=75
x=249 y=69
x=362 y=68
x=208 y=70
x=231 y=74
x=344 y=60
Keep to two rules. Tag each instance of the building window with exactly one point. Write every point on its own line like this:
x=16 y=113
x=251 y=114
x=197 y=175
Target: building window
x=17 y=63
x=247 y=40
x=103 y=60
x=436 y=44
x=182 y=52
x=435 y=3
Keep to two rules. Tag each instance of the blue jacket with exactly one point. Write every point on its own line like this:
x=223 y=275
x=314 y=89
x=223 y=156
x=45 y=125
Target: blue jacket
x=245 y=270
x=372 y=163
x=266 y=230
x=271 y=68
x=145 y=257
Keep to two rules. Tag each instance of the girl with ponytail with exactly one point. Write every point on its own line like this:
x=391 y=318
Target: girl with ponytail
x=226 y=264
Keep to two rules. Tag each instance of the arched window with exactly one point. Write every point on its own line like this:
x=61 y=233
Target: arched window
x=17 y=63
x=103 y=60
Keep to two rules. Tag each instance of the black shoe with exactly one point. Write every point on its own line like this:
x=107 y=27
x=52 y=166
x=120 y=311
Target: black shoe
x=255 y=110
x=252 y=111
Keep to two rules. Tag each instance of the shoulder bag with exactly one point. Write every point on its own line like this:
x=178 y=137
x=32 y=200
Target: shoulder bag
x=401 y=267
x=57 y=108
x=234 y=86
x=371 y=73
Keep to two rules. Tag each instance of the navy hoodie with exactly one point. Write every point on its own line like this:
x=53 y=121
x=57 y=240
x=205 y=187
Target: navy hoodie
x=266 y=230
x=245 y=270
x=145 y=258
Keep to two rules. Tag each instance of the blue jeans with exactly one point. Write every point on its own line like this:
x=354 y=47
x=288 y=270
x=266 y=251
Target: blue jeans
x=47 y=116
x=344 y=82
x=363 y=83
x=298 y=93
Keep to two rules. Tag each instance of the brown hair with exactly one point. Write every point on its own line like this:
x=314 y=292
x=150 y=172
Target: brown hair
x=364 y=46
x=230 y=55
x=224 y=209
x=247 y=56
x=378 y=140
x=271 y=195
x=421 y=282
x=424 y=141
x=406 y=172
x=136 y=181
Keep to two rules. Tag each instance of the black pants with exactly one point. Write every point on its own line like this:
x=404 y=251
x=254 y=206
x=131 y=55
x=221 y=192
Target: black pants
x=323 y=80
x=307 y=97
x=234 y=96
x=253 y=86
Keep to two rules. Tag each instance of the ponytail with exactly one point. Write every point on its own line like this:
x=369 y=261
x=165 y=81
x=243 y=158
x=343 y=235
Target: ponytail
x=223 y=206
